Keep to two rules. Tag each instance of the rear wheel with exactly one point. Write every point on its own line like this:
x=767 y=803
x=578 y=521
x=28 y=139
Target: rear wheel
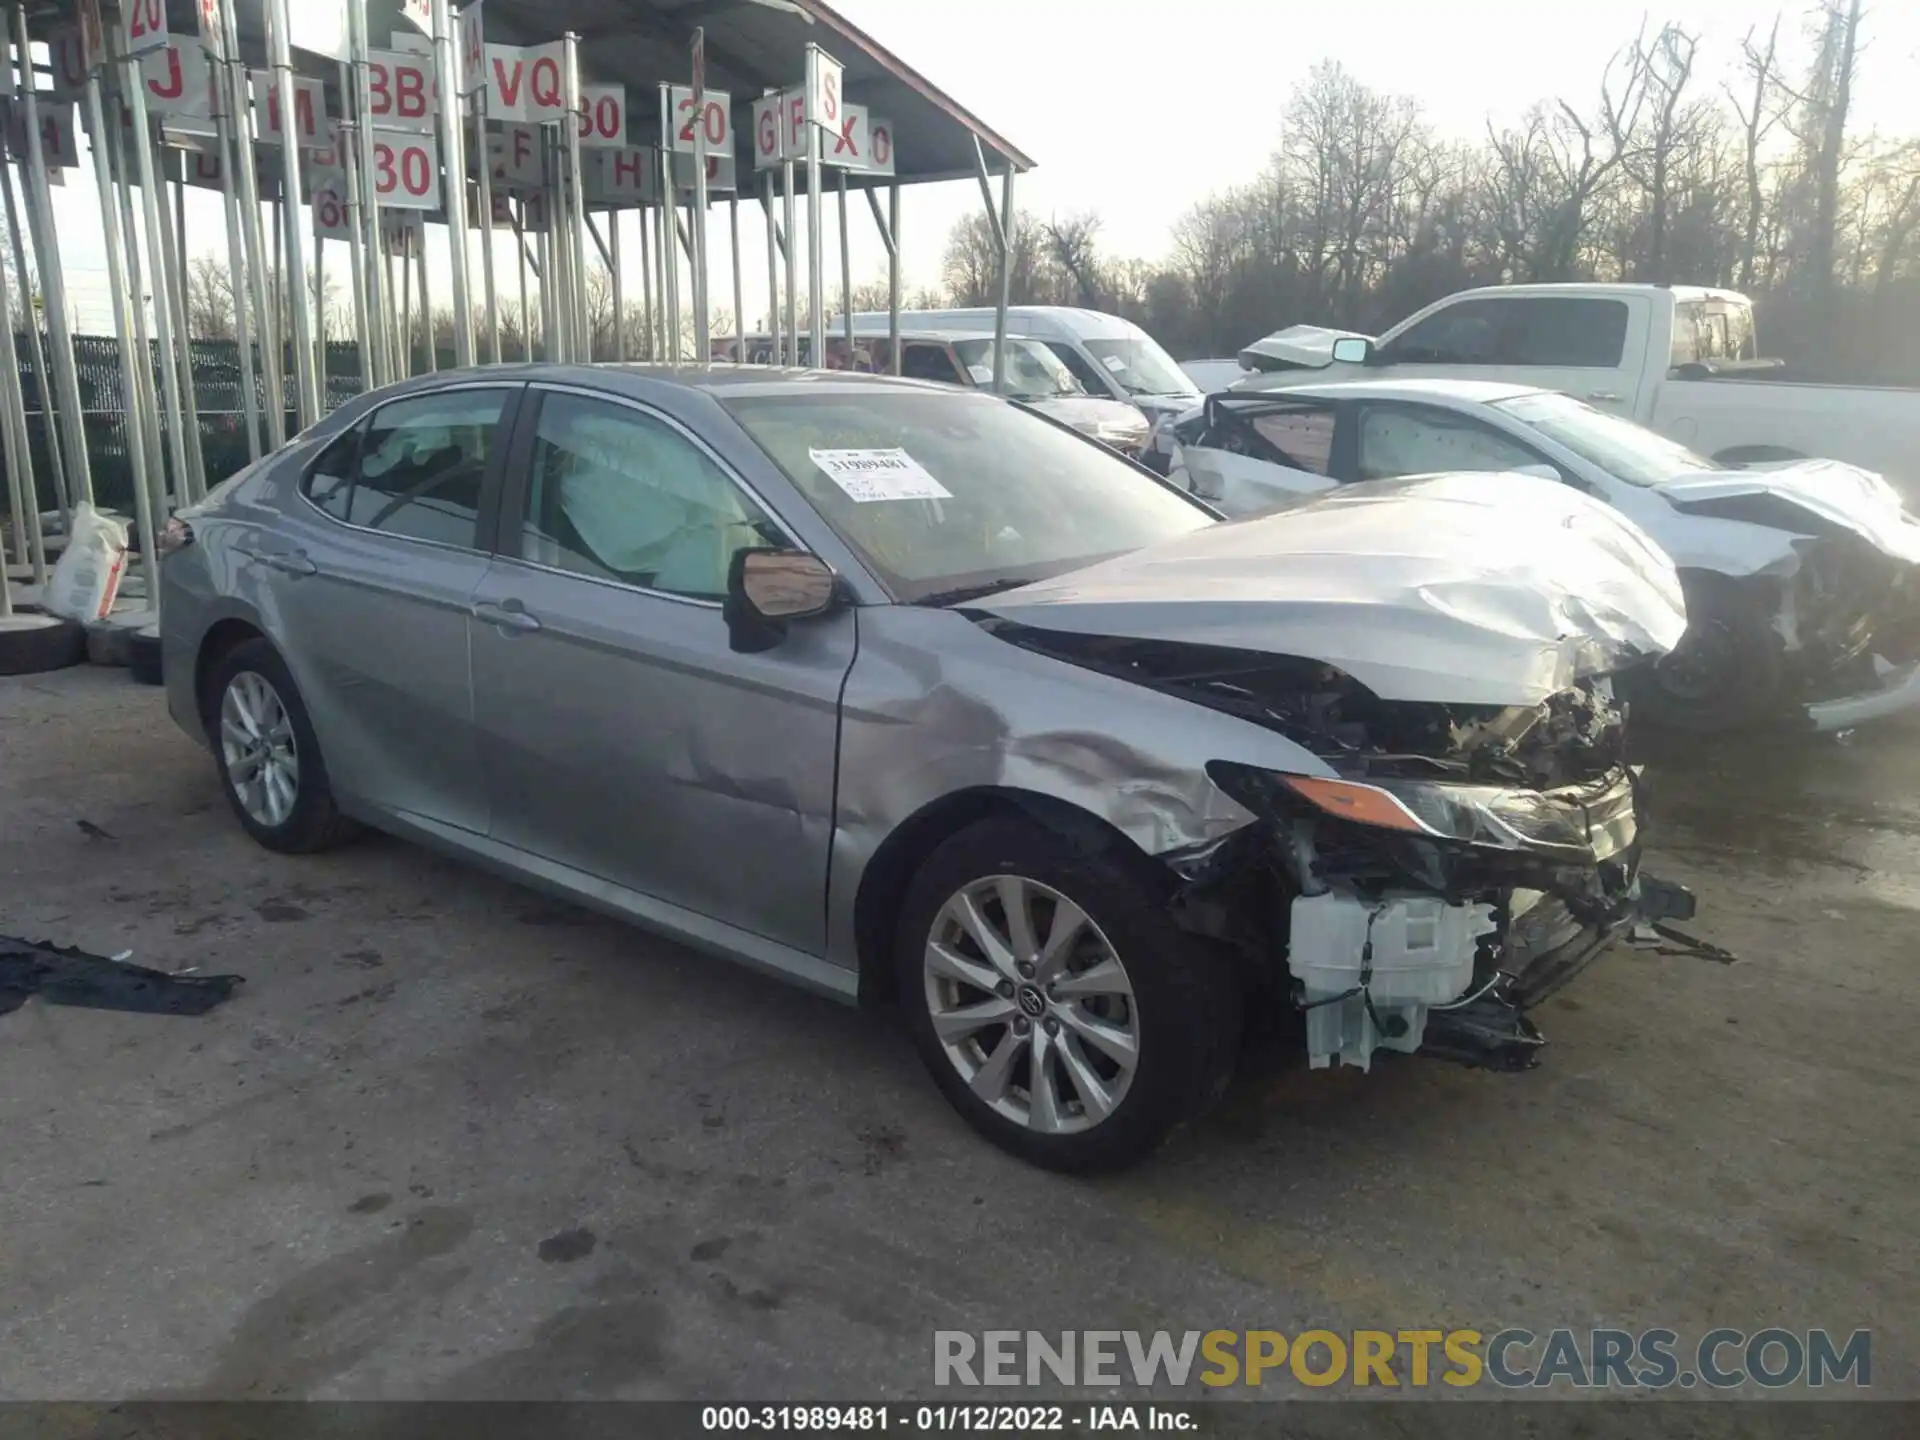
x=269 y=757
x=1055 y=1002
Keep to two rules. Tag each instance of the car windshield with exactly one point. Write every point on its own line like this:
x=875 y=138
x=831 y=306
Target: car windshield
x=1631 y=452
x=955 y=495
x=1141 y=367
x=1033 y=371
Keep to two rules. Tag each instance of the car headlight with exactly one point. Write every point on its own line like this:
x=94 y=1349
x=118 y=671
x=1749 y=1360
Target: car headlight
x=1486 y=815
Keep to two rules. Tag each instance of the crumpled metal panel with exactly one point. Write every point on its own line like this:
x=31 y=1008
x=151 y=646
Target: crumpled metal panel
x=1827 y=490
x=935 y=704
x=1482 y=589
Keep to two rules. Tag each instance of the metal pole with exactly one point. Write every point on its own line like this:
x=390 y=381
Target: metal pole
x=1007 y=224
x=139 y=358
x=320 y=314
x=165 y=285
x=576 y=197
x=173 y=257
x=702 y=305
x=846 y=268
x=29 y=544
x=307 y=393
x=646 y=287
x=670 y=256
x=267 y=322
x=406 y=303
x=490 y=289
x=123 y=331
x=349 y=141
x=773 y=265
x=240 y=287
x=429 y=326
x=619 y=293
x=888 y=225
x=520 y=249
x=379 y=292
x=816 y=273
x=36 y=355
x=40 y=214
x=453 y=149
x=792 y=247
x=739 y=290
x=549 y=306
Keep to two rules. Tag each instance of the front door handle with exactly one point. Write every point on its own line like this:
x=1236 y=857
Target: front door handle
x=1603 y=397
x=511 y=615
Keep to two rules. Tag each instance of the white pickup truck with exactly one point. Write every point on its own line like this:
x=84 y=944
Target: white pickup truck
x=1679 y=359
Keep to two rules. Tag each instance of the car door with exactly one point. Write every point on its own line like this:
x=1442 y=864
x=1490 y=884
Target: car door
x=1395 y=438
x=1576 y=344
x=1258 y=455
x=621 y=734
x=374 y=576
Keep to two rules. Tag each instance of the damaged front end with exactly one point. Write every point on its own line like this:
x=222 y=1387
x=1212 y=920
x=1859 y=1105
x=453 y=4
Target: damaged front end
x=1461 y=864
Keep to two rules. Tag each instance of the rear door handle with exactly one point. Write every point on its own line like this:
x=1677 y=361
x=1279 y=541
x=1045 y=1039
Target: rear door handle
x=511 y=615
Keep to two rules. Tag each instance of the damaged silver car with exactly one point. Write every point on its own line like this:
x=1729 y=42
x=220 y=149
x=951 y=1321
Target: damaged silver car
x=1802 y=578
x=893 y=689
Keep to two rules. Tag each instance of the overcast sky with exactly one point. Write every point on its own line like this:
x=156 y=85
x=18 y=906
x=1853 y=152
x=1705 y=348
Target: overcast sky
x=1136 y=110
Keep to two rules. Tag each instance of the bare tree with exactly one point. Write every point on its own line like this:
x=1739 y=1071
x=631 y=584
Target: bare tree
x=209 y=298
x=1768 y=107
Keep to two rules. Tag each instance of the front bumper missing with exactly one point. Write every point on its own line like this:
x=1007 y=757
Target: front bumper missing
x=1548 y=944
x=1898 y=690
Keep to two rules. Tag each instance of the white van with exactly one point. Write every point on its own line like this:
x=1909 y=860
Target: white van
x=1107 y=355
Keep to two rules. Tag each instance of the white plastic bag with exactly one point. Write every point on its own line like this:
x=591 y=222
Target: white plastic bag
x=87 y=578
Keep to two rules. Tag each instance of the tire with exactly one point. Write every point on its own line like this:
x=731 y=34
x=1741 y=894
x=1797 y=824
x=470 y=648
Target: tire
x=1729 y=671
x=312 y=821
x=34 y=644
x=1180 y=1006
x=143 y=661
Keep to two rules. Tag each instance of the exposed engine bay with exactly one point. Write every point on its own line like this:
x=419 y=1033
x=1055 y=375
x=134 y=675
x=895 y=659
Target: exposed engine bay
x=1466 y=863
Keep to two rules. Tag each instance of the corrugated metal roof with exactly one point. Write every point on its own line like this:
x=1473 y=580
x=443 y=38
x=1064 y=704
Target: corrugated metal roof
x=754 y=47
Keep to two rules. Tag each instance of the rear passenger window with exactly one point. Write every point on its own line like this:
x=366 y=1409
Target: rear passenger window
x=1304 y=437
x=416 y=468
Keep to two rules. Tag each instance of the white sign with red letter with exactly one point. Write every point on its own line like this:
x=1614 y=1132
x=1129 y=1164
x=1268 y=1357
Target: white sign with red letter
x=515 y=152
x=330 y=220
x=406 y=170
x=473 y=50
x=525 y=84
x=146 y=25
x=715 y=119
x=400 y=89
x=823 y=88
x=179 y=81
x=309 y=109
x=603 y=116
x=779 y=132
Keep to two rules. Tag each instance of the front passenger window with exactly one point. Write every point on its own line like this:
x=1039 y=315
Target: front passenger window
x=620 y=496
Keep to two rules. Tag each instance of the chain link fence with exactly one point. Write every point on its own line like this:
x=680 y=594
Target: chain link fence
x=217 y=391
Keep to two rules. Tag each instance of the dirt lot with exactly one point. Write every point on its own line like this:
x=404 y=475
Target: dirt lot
x=454 y=1140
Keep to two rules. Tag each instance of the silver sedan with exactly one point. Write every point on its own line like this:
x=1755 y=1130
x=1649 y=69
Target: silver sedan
x=882 y=687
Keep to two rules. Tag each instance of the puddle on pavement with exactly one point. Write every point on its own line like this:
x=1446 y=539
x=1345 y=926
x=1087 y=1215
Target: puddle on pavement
x=1786 y=807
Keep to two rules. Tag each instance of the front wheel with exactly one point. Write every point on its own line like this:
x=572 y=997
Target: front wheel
x=1057 y=1005
x=1727 y=673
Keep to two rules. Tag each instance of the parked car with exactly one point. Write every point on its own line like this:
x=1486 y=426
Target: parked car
x=1682 y=360
x=894 y=688
x=1035 y=375
x=1802 y=579
x=1107 y=355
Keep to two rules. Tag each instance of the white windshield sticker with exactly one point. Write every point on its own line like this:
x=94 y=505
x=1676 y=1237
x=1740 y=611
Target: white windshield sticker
x=1113 y=363
x=879 y=475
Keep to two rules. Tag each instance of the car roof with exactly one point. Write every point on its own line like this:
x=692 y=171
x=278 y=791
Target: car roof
x=1475 y=392
x=732 y=380
x=1032 y=322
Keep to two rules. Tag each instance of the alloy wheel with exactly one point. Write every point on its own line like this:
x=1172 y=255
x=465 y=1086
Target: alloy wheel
x=1032 y=1004
x=257 y=744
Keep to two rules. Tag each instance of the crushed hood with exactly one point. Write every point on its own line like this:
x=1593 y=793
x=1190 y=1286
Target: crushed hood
x=1840 y=495
x=1090 y=414
x=1298 y=347
x=1481 y=589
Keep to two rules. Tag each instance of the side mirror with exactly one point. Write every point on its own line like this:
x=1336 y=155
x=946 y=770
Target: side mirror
x=767 y=589
x=1352 y=350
